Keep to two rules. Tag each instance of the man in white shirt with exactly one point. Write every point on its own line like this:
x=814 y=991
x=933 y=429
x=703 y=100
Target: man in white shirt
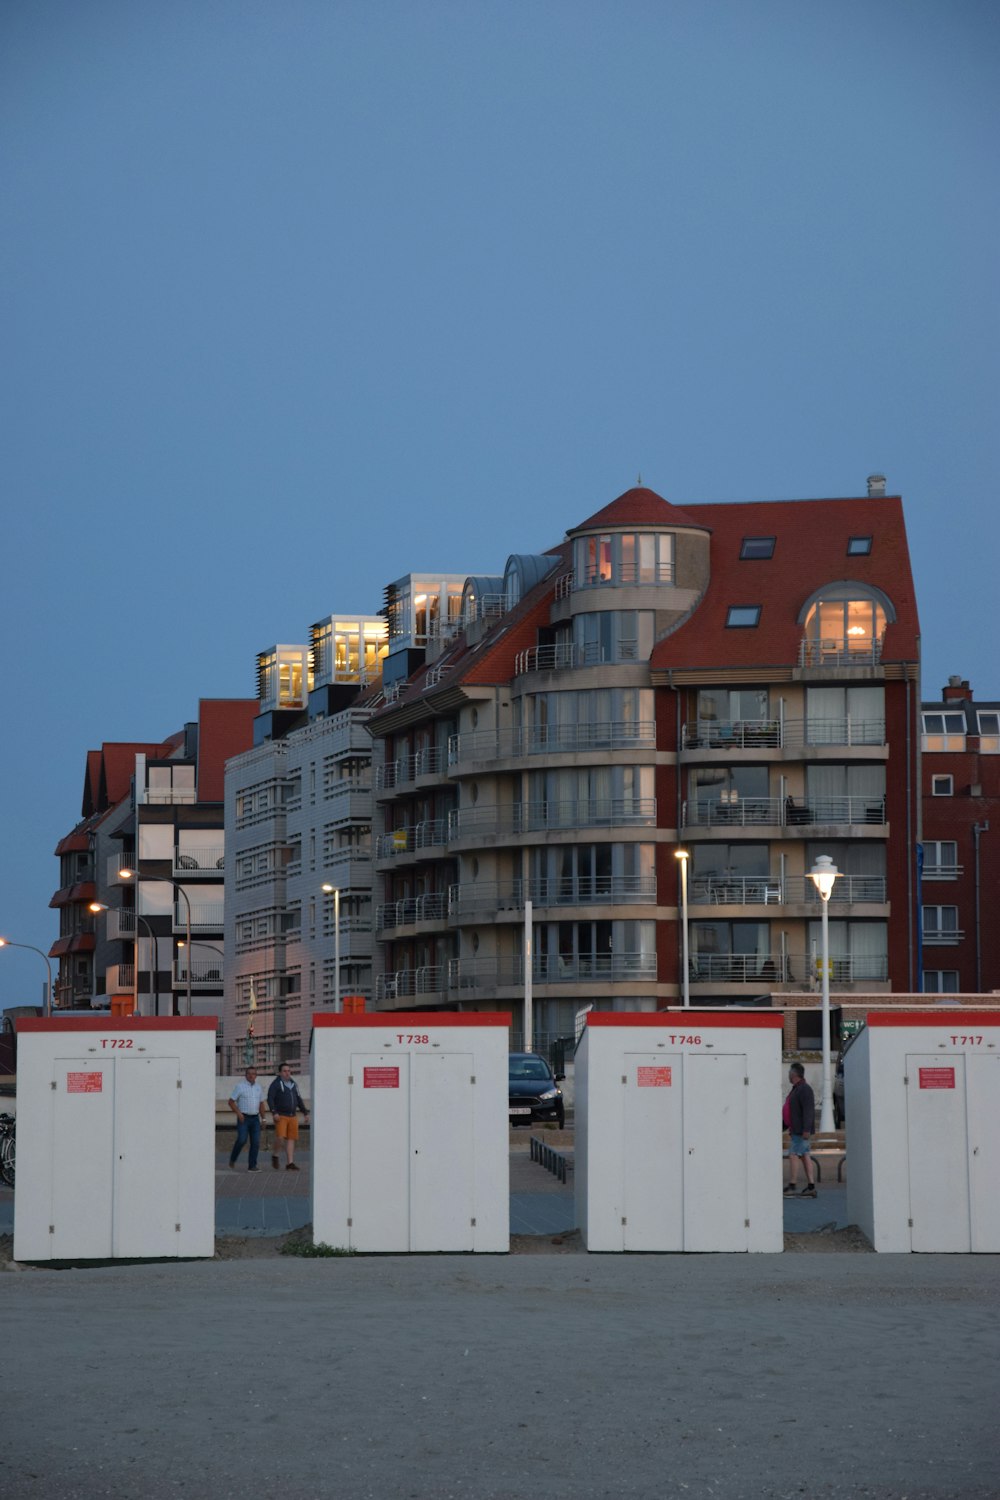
x=247 y=1104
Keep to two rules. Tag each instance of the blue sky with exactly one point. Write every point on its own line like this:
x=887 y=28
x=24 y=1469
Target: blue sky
x=301 y=296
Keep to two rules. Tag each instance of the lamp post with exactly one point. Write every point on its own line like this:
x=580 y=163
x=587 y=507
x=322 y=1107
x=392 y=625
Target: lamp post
x=99 y=906
x=334 y=891
x=683 y=855
x=127 y=874
x=9 y=943
x=823 y=875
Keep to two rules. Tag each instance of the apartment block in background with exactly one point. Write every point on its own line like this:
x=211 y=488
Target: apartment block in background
x=739 y=679
x=298 y=816
x=960 y=867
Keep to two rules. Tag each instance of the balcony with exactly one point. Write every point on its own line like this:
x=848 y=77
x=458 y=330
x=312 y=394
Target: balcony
x=119 y=979
x=205 y=917
x=405 y=770
x=204 y=971
x=393 y=914
x=780 y=734
x=840 y=651
x=207 y=861
x=429 y=980
x=942 y=937
x=783 y=968
x=552 y=968
x=624 y=575
x=567 y=654
x=477 y=900
x=485 y=745
x=773 y=890
x=431 y=834
x=756 y=812
x=542 y=816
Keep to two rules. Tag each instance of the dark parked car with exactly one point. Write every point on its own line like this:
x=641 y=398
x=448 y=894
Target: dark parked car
x=533 y=1090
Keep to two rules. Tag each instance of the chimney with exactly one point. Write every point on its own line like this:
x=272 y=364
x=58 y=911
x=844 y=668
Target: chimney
x=957 y=691
x=876 y=484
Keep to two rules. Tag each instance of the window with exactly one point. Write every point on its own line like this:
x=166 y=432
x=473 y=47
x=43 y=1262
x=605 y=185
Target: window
x=757 y=547
x=634 y=557
x=843 y=624
x=942 y=786
x=941 y=860
x=941 y=924
x=859 y=546
x=743 y=616
x=944 y=731
x=940 y=981
x=989 y=733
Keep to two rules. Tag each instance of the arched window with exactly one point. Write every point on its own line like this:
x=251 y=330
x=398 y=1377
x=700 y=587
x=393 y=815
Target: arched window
x=844 y=624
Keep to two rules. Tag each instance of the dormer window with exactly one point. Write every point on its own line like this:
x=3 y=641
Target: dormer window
x=844 y=624
x=757 y=547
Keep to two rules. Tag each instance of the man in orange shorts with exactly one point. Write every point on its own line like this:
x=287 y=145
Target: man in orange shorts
x=283 y=1100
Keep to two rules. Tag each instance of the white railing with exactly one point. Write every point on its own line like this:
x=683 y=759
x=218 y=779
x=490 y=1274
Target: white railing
x=747 y=812
x=475 y=899
x=783 y=968
x=602 y=812
x=204 y=917
x=200 y=861
x=942 y=937
x=427 y=835
x=626 y=573
x=399 y=772
x=168 y=795
x=430 y=908
x=431 y=979
x=552 y=968
x=203 y=971
x=771 y=890
x=776 y=734
x=942 y=872
x=119 y=978
x=546 y=739
x=840 y=651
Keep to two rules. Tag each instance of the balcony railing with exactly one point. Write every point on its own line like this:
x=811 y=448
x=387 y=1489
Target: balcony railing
x=429 y=908
x=942 y=937
x=204 y=918
x=771 y=890
x=203 y=971
x=552 y=968
x=618 y=890
x=200 y=861
x=942 y=872
x=566 y=654
x=626 y=574
x=783 y=968
x=747 y=812
x=546 y=739
x=521 y=817
x=431 y=979
x=778 y=734
x=406 y=769
x=840 y=651
x=431 y=834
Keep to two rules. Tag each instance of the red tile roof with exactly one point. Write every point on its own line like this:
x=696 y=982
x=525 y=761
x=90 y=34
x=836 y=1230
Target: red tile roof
x=810 y=551
x=640 y=507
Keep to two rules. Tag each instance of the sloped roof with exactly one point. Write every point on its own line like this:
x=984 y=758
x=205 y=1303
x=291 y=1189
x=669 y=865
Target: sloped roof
x=810 y=551
x=641 y=507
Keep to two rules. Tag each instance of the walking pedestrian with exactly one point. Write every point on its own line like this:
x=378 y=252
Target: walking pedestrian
x=283 y=1100
x=247 y=1104
x=801 y=1103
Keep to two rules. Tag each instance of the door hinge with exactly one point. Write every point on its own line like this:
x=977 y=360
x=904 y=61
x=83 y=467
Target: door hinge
x=472 y=1080
x=746 y=1083
x=624 y=1079
x=350 y=1223
x=350 y=1080
x=473 y=1223
x=180 y=1083
x=52 y=1084
x=910 y=1223
x=624 y=1220
x=52 y=1229
x=905 y=1078
x=746 y=1223
x=177 y=1229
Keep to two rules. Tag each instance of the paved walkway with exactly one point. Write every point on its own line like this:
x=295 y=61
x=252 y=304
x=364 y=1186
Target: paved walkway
x=269 y=1203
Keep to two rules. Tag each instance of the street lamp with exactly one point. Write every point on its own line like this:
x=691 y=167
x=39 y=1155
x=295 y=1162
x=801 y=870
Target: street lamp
x=334 y=891
x=823 y=875
x=683 y=855
x=127 y=874
x=9 y=943
x=99 y=906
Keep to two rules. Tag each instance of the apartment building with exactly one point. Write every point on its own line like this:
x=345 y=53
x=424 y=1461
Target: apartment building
x=154 y=810
x=960 y=868
x=737 y=680
x=298 y=817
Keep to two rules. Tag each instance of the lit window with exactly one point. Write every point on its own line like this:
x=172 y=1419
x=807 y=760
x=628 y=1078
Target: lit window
x=859 y=546
x=944 y=731
x=989 y=733
x=757 y=546
x=743 y=616
x=942 y=786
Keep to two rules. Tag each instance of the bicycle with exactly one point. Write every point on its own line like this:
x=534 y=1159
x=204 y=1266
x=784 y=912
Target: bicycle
x=7 y=1149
